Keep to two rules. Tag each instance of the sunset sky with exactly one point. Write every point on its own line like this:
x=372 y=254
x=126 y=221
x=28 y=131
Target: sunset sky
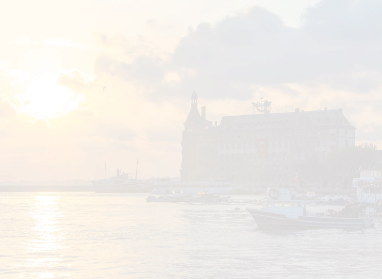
x=84 y=83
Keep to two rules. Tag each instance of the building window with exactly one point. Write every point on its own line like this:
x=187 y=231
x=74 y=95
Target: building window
x=302 y=156
x=346 y=132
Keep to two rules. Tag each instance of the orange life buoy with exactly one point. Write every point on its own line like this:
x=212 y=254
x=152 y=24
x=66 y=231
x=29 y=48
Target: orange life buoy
x=274 y=194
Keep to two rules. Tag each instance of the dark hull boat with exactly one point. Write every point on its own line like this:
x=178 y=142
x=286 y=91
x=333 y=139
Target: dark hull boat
x=269 y=220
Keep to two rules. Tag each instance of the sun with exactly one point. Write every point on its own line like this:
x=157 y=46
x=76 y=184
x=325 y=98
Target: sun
x=44 y=98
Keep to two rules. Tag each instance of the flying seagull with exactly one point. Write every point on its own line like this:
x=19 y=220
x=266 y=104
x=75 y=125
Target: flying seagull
x=103 y=89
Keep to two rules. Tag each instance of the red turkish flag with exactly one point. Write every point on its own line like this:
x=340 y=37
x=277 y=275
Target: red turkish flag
x=262 y=148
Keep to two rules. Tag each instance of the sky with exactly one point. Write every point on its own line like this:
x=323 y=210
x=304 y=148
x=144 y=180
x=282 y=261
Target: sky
x=84 y=83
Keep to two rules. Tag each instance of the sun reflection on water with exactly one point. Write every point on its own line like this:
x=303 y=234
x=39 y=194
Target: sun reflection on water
x=46 y=236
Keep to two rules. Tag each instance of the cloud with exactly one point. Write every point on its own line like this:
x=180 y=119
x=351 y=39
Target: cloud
x=370 y=132
x=6 y=109
x=116 y=130
x=75 y=80
x=104 y=147
x=56 y=41
x=143 y=69
x=153 y=24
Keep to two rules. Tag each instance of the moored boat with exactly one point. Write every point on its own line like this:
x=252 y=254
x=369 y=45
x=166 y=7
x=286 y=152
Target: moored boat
x=279 y=213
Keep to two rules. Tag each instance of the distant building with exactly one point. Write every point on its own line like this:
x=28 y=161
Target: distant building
x=263 y=148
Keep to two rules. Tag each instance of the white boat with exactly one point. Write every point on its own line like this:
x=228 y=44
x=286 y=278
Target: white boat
x=369 y=186
x=122 y=183
x=217 y=186
x=281 y=212
x=202 y=197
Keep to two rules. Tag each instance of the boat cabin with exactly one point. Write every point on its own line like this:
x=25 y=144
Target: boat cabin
x=288 y=207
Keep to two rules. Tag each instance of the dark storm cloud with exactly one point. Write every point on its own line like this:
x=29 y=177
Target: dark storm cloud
x=338 y=45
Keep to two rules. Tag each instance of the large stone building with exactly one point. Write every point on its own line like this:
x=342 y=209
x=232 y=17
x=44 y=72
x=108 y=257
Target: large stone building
x=263 y=148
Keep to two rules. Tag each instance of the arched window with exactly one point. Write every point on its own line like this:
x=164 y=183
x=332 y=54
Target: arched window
x=302 y=156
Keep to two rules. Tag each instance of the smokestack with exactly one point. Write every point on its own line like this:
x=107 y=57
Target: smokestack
x=204 y=112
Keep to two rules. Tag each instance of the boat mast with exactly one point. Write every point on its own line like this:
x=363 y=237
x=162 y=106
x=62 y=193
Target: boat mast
x=136 y=173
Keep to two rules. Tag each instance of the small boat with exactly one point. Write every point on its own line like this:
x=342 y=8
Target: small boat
x=161 y=199
x=281 y=213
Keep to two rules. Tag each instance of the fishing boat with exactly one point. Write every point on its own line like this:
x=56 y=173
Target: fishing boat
x=215 y=186
x=281 y=212
x=123 y=183
x=369 y=186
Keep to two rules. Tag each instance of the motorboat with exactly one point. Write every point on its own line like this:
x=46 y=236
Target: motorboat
x=281 y=212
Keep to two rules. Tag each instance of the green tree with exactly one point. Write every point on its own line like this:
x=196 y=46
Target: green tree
x=350 y=158
x=312 y=170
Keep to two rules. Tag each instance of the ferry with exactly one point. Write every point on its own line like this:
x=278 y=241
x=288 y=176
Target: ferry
x=122 y=183
x=369 y=186
x=216 y=186
x=281 y=212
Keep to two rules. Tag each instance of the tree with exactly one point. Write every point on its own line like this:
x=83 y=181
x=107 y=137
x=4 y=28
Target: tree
x=312 y=170
x=350 y=158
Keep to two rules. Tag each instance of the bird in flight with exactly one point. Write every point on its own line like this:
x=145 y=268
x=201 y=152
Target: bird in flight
x=103 y=89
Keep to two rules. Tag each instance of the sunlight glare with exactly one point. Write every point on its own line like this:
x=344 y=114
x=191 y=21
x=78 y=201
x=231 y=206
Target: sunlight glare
x=46 y=99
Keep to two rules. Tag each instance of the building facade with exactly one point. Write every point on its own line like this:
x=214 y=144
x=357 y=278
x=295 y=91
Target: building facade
x=263 y=148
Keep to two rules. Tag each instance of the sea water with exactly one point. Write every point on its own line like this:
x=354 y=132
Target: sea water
x=89 y=235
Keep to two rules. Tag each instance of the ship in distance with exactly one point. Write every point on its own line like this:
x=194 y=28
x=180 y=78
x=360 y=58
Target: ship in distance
x=123 y=183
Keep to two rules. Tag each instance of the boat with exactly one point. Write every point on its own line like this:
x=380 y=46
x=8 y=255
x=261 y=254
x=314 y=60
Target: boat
x=201 y=197
x=122 y=183
x=281 y=212
x=369 y=186
x=215 y=186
